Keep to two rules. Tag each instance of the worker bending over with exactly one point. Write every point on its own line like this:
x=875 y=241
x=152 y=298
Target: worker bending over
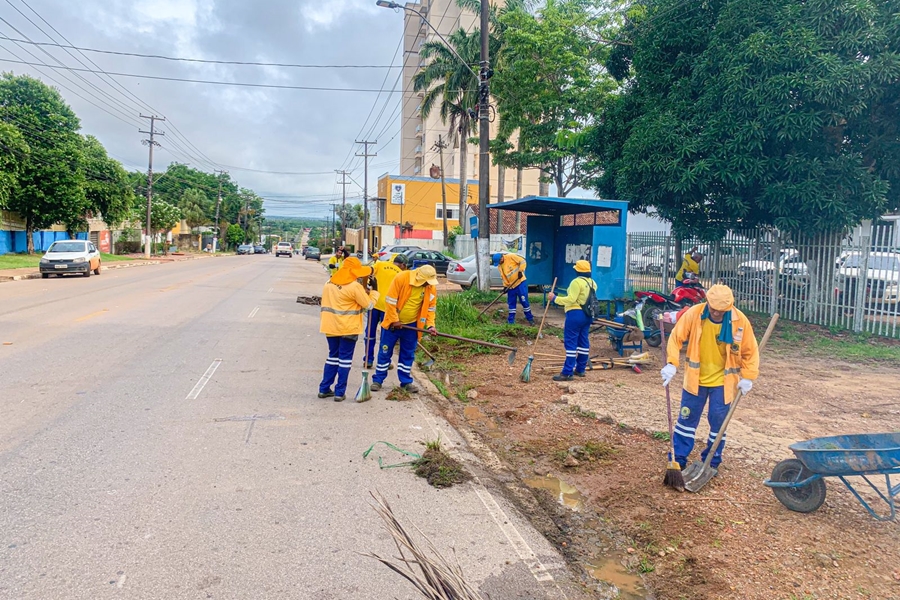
x=344 y=300
x=411 y=301
x=512 y=271
x=384 y=273
x=578 y=323
x=722 y=358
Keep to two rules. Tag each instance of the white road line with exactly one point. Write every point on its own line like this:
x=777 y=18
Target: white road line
x=269 y=291
x=253 y=312
x=204 y=380
x=504 y=523
x=121 y=581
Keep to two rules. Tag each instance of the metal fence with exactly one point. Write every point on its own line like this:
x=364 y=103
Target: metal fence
x=847 y=282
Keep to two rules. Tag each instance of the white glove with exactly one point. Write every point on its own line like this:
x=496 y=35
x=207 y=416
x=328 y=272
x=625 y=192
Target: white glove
x=745 y=385
x=668 y=372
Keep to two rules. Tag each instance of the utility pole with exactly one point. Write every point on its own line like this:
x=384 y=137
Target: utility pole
x=151 y=142
x=218 y=203
x=343 y=183
x=484 y=165
x=333 y=209
x=440 y=146
x=366 y=156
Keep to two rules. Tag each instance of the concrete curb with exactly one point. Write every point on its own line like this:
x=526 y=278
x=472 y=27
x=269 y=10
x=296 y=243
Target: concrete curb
x=115 y=265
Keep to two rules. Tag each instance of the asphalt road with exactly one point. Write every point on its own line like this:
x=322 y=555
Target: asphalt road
x=161 y=438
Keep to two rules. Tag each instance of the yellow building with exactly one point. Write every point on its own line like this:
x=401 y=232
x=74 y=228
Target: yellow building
x=416 y=202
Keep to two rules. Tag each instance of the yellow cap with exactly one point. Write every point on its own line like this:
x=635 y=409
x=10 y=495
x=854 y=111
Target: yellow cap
x=583 y=266
x=720 y=297
x=425 y=274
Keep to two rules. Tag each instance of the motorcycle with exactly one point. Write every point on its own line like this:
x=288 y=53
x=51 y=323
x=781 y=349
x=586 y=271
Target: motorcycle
x=654 y=302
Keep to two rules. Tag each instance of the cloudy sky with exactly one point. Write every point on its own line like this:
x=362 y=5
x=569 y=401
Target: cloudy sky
x=226 y=127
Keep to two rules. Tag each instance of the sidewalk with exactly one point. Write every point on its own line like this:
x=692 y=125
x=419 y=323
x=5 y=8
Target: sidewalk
x=34 y=272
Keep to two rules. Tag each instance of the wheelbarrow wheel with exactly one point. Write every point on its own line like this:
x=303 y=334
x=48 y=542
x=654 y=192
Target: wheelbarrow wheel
x=654 y=339
x=804 y=499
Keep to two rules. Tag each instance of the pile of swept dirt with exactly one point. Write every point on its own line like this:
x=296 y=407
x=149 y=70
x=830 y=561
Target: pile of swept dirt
x=731 y=540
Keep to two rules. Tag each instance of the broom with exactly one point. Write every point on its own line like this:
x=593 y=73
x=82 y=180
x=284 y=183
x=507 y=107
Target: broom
x=526 y=372
x=365 y=392
x=673 y=479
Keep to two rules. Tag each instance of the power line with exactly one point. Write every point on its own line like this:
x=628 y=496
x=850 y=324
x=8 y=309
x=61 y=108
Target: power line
x=201 y=60
x=204 y=81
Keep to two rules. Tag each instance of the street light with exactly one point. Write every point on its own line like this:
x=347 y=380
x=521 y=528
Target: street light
x=484 y=135
x=394 y=5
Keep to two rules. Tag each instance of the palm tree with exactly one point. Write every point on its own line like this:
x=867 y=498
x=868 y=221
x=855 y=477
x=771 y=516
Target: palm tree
x=453 y=88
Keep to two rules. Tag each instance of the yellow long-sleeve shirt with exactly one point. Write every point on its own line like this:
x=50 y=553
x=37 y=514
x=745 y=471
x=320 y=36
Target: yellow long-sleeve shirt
x=512 y=269
x=577 y=294
x=689 y=265
x=342 y=308
x=385 y=272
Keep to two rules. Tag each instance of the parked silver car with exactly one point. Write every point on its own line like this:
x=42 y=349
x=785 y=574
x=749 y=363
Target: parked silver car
x=464 y=273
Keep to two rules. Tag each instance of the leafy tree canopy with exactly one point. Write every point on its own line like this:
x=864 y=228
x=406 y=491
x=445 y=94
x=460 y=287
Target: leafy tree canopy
x=740 y=113
x=107 y=186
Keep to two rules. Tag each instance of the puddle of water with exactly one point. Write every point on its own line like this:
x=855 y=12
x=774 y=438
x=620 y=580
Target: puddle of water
x=610 y=570
x=567 y=495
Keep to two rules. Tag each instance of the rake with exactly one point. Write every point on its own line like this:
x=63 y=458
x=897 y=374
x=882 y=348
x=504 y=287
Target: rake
x=526 y=372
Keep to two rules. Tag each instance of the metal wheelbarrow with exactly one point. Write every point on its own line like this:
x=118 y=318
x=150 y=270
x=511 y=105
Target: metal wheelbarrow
x=799 y=483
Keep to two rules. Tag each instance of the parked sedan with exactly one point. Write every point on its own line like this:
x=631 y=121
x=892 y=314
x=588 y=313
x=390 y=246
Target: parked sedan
x=464 y=273
x=417 y=258
x=245 y=249
x=70 y=256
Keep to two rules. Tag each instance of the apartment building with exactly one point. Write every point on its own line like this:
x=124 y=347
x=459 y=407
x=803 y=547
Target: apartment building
x=420 y=133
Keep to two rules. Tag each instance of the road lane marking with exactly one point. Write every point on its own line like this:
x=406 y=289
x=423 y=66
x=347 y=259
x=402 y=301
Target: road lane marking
x=92 y=315
x=253 y=313
x=121 y=581
x=204 y=380
x=269 y=291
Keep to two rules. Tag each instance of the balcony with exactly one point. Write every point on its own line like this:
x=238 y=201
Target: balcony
x=418 y=150
x=418 y=131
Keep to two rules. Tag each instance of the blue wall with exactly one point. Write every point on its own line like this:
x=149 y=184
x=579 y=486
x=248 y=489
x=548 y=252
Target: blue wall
x=16 y=241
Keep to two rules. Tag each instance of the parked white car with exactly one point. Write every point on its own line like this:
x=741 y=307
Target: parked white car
x=464 y=273
x=70 y=256
x=882 y=277
x=766 y=266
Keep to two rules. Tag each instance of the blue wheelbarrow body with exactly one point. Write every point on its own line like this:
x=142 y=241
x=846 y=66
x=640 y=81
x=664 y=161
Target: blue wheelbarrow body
x=799 y=484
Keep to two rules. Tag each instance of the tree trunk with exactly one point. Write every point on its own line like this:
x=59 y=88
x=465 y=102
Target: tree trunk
x=544 y=185
x=29 y=235
x=560 y=188
x=463 y=175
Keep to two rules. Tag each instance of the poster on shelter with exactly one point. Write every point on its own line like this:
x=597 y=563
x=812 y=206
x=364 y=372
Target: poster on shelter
x=576 y=252
x=398 y=193
x=604 y=256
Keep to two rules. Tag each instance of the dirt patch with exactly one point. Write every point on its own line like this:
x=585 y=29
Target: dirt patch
x=439 y=468
x=731 y=540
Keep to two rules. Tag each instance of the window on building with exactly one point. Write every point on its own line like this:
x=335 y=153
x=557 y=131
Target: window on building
x=452 y=212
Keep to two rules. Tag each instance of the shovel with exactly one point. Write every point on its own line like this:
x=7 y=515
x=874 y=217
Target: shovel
x=427 y=364
x=512 y=351
x=698 y=474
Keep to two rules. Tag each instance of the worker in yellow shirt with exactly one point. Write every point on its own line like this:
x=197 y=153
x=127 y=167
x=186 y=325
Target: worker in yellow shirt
x=344 y=300
x=335 y=262
x=384 y=273
x=512 y=272
x=722 y=357
x=690 y=267
x=578 y=324
x=411 y=301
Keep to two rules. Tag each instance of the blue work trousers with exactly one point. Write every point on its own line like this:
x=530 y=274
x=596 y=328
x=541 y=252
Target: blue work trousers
x=576 y=341
x=340 y=359
x=513 y=297
x=689 y=418
x=408 y=339
x=375 y=318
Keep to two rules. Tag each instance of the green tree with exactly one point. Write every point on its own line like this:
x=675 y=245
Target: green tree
x=50 y=184
x=194 y=207
x=234 y=235
x=739 y=113
x=450 y=86
x=107 y=186
x=15 y=151
x=548 y=84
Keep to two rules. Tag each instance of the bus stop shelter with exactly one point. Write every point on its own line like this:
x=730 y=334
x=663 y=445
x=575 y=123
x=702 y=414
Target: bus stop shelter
x=561 y=231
